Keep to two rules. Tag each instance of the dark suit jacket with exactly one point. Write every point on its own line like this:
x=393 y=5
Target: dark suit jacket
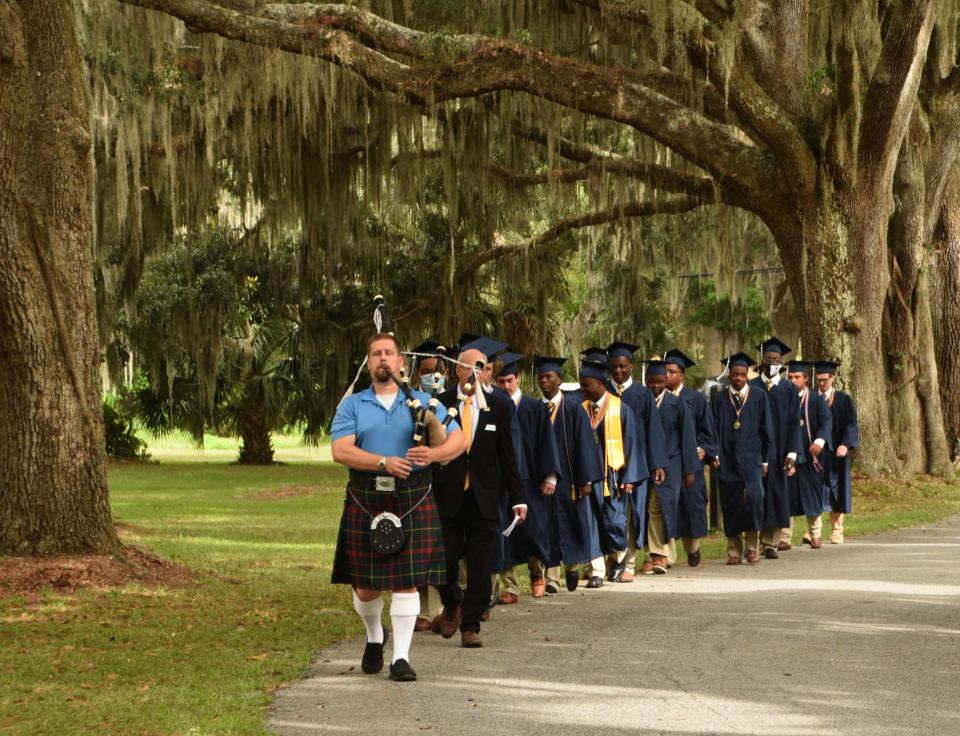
x=491 y=462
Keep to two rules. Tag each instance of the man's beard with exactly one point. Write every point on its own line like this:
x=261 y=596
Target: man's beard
x=382 y=374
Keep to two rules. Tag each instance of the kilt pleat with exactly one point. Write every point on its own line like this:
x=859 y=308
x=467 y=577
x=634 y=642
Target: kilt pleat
x=419 y=562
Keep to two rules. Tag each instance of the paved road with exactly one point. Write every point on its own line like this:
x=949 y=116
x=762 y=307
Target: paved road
x=862 y=638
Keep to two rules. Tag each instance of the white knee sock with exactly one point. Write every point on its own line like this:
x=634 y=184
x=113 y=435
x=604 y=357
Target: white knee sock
x=370 y=612
x=404 y=609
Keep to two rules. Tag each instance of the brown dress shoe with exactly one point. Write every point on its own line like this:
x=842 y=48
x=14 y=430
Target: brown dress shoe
x=815 y=543
x=784 y=546
x=423 y=624
x=507 y=599
x=470 y=640
x=647 y=567
x=752 y=557
x=485 y=616
x=627 y=577
x=733 y=560
x=435 y=624
x=538 y=586
x=449 y=622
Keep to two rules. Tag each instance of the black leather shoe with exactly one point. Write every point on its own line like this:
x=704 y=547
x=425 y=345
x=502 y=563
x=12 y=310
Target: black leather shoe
x=551 y=589
x=771 y=554
x=617 y=572
x=595 y=582
x=693 y=558
x=372 y=661
x=573 y=579
x=401 y=671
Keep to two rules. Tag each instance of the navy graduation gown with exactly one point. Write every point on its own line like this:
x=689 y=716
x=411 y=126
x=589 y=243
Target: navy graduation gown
x=838 y=496
x=574 y=531
x=652 y=450
x=541 y=457
x=692 y=512
x=784 y=406
x=807 y=486
x=680 y=442
x=611 y=511
x=742 y=454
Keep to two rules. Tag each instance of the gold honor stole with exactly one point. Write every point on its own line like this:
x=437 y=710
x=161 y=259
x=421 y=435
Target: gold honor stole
x=612 y=435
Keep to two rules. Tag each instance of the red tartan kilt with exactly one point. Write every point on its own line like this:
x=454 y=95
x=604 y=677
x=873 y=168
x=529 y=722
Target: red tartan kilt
x=419 y=562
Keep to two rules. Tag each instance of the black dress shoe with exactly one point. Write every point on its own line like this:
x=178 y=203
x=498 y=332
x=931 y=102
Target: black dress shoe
x=771 y=553
x=551 y=589
x=573 y=579
x=617 y=572
x=693 y=558
x=372 y=661
x=595 y=582
x=401 y=671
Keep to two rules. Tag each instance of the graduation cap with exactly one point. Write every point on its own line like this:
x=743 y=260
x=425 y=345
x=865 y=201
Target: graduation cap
x=620 y=349
x=511 y=363
x=675 y=357
x=774 y=345
x=594 y=369
x=548 y=363
x=739 y=359
x=799 y=366
x=826 y=366
x=655 y=368
x=486 y=345
x=595 y=353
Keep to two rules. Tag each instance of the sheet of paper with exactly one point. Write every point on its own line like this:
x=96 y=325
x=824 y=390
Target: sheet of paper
x=509 y=529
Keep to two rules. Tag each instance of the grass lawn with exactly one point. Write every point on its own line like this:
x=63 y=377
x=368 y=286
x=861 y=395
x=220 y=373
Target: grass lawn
x=204 y=660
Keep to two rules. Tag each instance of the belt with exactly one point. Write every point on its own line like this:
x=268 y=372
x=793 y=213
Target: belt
x=364 y=481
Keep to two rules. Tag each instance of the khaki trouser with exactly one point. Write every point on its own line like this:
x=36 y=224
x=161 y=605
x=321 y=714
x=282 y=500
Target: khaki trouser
x=690 y=545
x=836 y=522
x=672 y=554
x=597 y=567
x=507 y=579
x=770 y=537
x=786 y=535
x=814 y=525
x=657 y=541
x=430 y=603
x=551 y=574
x=746 y=542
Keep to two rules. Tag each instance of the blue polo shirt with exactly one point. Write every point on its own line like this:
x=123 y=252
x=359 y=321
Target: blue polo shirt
x=376 y=430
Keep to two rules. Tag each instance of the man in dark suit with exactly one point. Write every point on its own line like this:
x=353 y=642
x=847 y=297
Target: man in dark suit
x=467 y=491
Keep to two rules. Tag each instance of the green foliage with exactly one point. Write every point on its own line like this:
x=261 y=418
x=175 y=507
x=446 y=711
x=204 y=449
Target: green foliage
x=121 y=438
x=747 y=319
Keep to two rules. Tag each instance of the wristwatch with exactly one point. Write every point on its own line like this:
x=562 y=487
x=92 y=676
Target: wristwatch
x=383 y=463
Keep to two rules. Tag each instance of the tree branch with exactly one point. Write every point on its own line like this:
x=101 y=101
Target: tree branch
x=660 y=177
x=673 y=206
x=893 y=88
x=456 y=66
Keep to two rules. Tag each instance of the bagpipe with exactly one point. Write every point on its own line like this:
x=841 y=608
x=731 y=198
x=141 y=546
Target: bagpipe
x=427 y=428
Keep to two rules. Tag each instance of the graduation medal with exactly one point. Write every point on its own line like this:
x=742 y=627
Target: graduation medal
x=736 y=423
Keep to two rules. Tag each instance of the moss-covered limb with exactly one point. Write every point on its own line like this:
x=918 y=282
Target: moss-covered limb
x=664 y=178
x=675 y=205
x=484 y=65
x=892 y=91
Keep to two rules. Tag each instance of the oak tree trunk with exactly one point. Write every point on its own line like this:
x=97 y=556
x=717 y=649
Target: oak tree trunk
x=54 y=496
x=945 y=307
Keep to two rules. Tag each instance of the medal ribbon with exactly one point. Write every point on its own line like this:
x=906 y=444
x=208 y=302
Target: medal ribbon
x=743 y=402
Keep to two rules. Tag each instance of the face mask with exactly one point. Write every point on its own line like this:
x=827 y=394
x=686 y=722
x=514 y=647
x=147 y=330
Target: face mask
x=773 y=370
x=427 y=382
